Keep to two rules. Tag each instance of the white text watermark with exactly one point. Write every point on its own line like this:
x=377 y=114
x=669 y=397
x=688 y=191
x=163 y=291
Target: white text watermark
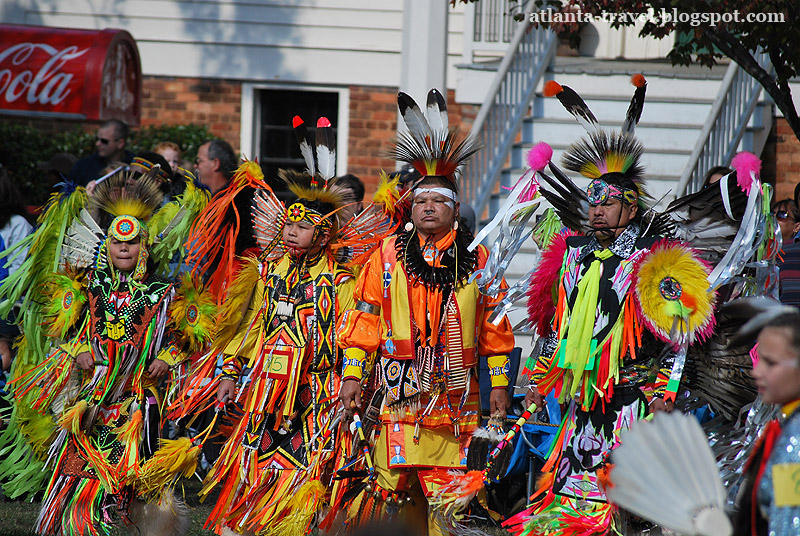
x=660 y=17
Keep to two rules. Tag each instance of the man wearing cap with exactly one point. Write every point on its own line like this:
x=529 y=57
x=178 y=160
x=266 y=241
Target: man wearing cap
x=110 y=147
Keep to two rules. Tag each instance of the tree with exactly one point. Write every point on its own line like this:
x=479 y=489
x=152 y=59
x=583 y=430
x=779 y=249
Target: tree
x=705 y=32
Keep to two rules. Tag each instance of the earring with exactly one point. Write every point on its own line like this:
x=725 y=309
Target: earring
x=409 y=226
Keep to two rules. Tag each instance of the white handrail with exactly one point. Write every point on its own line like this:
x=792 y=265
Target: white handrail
x=724 y=127
x=505 y=106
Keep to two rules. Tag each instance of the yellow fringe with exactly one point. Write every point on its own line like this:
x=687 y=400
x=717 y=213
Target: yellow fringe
x=175 y=457
x=300 y=510
x=130 y=435
x=71 y=419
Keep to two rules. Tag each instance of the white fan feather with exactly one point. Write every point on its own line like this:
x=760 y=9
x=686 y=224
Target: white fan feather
x=665 y=471
x=82 y=242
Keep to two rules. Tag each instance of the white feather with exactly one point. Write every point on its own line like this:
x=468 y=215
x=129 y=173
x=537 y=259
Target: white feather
x=82 y=241
x=326 y=160
x=436 y=112
x=665 y=471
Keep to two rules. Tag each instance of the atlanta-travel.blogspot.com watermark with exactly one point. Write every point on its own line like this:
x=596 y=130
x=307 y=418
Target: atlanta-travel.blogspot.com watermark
x=660 y=17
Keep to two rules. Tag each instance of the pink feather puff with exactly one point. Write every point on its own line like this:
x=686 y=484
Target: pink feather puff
x=541 y=301
x=539 y=156
x=748 y=168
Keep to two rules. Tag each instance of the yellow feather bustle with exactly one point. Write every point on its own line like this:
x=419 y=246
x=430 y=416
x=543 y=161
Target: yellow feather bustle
x=193 y=314
x=175 y=457
x=671 y=283
x=300 y=510
x=68 y=297
x=238 y=296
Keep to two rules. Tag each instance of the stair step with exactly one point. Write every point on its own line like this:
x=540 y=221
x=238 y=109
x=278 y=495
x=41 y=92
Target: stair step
x=664 y=87
x=653 y=136
x=649 y=68
x=612 y=109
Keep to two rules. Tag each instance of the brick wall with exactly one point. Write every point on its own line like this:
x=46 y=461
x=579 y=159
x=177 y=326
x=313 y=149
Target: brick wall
x=373 y=125
x=787 y=160
x=215 y=103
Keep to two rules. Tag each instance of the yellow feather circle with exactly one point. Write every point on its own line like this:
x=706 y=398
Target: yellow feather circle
x=695 y=304
x=193 y=314
x=68 y=297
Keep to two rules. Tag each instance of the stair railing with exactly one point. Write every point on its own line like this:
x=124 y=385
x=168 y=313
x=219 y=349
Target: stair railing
x=724 y=127
x=506 y=104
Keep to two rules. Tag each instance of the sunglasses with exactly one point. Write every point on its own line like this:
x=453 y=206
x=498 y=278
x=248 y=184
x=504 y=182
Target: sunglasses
x=783 y=215
x=104 y=141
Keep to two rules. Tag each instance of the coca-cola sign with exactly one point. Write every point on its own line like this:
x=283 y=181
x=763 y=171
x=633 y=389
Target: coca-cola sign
x=93 y=75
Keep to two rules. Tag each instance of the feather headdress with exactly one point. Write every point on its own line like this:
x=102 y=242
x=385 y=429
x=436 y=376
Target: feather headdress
x=602 y=152
x=430 y=146
x=130 y=194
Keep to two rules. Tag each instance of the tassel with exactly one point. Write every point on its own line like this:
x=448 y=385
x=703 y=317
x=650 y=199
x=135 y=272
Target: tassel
x=71 y=419
x=456 y=491
x=174 y=457
x=130 y=435
x=300 y=510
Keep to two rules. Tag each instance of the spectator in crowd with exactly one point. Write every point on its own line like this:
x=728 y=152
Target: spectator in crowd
x=351 y=189
x=110 y=144
x=215 y=164
x=714 y=175
x=13 y=227
x=171 y=153
x=785 y=211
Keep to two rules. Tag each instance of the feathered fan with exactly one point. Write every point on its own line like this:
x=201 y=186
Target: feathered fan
x=644 y=479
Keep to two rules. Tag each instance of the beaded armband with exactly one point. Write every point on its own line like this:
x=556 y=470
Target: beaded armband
x=354 y=363
x=498 y=370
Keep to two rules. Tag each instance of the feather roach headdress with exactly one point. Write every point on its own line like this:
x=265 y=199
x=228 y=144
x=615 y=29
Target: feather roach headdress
x=610 y=159
x=430 y=146
x=317 y=200
x=131 y=199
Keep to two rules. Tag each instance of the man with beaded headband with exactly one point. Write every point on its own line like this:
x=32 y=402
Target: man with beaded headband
x=417 y=307
x=277 y=339
x=599 y=355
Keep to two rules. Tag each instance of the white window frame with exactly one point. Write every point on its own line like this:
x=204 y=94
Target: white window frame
x=250 y=134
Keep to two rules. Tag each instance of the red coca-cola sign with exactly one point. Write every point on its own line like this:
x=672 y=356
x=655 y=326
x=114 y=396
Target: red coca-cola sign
x=82 y=74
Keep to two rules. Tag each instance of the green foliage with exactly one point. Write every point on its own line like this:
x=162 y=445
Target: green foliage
x=23 y=148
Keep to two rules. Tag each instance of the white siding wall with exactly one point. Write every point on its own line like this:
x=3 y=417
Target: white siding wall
x=337 y=42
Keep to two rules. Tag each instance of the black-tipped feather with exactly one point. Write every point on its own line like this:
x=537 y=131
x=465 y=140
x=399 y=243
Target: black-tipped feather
x=577 y=107
x=634 y=110
x=412 y=116
x=436 y=113
x=301 y=132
